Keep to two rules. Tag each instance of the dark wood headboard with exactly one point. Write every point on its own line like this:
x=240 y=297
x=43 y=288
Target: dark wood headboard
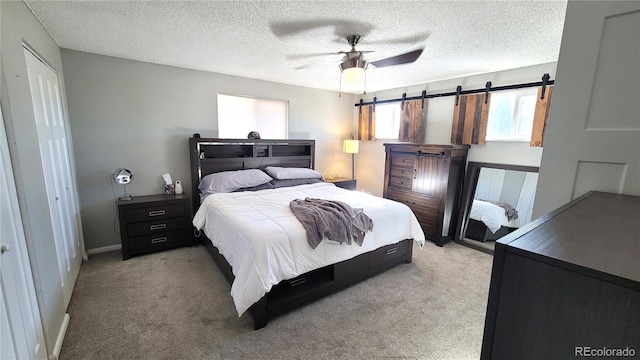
x=211 y=155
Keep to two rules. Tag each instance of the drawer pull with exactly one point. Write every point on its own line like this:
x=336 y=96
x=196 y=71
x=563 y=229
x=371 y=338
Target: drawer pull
x=156 y=213
x=296 y=282
x=158 y=227
x=392 y=250
x=159 y=240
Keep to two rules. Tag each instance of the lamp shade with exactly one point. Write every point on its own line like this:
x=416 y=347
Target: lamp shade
x=350 y=146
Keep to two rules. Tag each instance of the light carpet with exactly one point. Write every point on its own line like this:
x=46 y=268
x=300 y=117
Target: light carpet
x=176 y=305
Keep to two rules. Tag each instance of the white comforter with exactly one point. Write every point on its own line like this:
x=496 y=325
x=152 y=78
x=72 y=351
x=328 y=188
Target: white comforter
x=491 y=215
x=264 y=242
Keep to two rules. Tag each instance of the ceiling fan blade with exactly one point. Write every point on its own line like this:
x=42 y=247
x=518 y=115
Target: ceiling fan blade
x=405 y=58
x=305 y=56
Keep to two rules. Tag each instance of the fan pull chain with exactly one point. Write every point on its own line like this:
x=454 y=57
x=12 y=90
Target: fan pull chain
x=340 y=87
x=364 y=91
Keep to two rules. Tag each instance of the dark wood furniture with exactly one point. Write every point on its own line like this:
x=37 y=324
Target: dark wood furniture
x=427 y=178
x=467 y=226
x=154 y=222
x=477 y=230
x=566 y=281
x=345 y=183
x=224 y=155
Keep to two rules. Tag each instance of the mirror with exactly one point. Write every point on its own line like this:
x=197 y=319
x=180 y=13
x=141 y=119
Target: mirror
x=497 y=199
x=123 y=177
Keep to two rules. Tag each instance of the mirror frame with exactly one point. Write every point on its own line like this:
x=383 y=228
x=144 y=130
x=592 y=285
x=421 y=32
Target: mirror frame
x=469 y=191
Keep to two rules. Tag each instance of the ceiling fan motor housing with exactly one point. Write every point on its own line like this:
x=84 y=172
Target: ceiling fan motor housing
x=357 y=62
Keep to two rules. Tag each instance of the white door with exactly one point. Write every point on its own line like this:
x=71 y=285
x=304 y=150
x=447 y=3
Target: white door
x=54 y=151
x=592 y=139
x=20 y=324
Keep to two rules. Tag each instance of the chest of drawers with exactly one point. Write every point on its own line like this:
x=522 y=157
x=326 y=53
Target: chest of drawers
x=153 y=223
x=428 y=179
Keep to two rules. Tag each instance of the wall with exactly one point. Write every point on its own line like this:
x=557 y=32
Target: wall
x=126 y=113
x=18 y=25
x=370 y=160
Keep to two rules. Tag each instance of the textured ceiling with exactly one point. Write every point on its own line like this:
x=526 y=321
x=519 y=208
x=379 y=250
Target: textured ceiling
x=270 y=40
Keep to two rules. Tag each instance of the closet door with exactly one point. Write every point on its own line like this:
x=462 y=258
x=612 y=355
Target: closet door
x=54 y=153
x=20 y=322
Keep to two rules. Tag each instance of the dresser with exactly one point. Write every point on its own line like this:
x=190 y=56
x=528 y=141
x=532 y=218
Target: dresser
x=429 y=179
x=153 y=223
x=568 y=284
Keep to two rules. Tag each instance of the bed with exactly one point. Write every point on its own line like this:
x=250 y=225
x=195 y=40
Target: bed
x=489 y=221
x=262 y=249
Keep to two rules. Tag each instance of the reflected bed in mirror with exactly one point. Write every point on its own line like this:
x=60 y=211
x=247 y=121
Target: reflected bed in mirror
x=496 y=200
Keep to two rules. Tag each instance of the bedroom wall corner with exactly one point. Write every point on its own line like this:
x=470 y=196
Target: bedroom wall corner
x=127 y=113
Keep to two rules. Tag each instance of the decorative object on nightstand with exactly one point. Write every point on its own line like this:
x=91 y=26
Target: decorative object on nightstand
x=351 y=147
x=154 y=222
x=179 y=187
x=345 y=183
x=123 y=177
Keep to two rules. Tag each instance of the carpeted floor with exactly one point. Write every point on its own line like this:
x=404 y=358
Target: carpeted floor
x=176 y=305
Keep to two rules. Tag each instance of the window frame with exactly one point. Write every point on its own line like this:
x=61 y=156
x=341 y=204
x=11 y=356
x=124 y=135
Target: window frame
x=255 y=101
x=395 y=126
x=515 y=120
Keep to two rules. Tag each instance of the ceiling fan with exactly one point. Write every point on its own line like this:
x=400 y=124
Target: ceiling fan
x=354 y=64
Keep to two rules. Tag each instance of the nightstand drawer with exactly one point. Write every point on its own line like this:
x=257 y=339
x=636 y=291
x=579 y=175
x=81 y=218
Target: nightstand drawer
x=152 y=227
x=157 y=241
x=155 y=213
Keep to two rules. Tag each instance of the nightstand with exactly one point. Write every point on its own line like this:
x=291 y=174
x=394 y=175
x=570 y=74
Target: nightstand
x=345 y=183
x=153 y=223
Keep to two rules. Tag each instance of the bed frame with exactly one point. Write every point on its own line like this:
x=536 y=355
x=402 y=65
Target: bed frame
x=209 y=155
x=477 y=230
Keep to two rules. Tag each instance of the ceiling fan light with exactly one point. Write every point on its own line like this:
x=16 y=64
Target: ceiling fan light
x=353 y=75
x=353 y=69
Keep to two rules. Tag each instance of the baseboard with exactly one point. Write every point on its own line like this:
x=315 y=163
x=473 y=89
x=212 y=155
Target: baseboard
x=104 y=249
x=58 y=346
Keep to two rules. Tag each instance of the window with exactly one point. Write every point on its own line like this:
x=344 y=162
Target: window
x=387 y=121
x=238 y=115
x=511 y=115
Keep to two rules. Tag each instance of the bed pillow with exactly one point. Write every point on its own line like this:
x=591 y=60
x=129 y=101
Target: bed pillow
x=278 y=183
x=286 y=173
x=264 y=186
x=229 y=181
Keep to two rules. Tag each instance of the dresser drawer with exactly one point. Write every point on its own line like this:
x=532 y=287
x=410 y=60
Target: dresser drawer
x=404 y=161
x=153 y=227
x=154 y=213
x=401 y=182
x=157 y=241
x=426 y=205
x=425 y=208
x=388 y=253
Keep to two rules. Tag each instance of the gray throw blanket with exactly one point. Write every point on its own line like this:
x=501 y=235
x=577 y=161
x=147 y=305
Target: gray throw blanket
x=509 y=211
x=335 y=219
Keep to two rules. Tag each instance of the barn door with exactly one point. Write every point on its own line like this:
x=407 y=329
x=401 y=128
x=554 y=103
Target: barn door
x=592 y=140
x=47 y=106
x=20 y=323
